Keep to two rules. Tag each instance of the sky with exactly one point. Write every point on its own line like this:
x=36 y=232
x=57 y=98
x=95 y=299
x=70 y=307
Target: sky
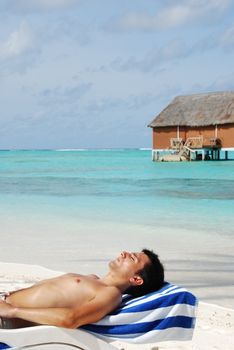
x=94 y=73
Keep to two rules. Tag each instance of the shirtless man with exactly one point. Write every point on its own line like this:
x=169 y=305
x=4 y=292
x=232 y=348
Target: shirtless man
x=73 y=300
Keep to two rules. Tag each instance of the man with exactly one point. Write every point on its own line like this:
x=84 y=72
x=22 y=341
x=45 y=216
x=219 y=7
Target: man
x=72 y=300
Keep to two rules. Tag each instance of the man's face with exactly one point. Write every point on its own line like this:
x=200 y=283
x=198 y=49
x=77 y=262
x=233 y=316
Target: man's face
x=128 y=264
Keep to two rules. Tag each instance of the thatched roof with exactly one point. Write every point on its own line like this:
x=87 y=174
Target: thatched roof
x=197 y=110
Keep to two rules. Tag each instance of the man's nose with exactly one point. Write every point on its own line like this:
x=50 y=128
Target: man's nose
x=124 y=254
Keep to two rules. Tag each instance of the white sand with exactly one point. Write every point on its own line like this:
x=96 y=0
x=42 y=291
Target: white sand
x=214 y=328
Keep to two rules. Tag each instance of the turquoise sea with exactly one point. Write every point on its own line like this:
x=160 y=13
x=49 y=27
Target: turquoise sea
x=118 y=186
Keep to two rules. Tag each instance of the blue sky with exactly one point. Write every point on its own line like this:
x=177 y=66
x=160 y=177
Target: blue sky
x=93 y=74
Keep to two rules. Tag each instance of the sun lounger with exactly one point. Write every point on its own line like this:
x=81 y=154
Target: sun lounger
x=168 y=314
x=51 y=338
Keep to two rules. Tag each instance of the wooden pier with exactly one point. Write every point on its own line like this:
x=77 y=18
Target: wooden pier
x=194 y=148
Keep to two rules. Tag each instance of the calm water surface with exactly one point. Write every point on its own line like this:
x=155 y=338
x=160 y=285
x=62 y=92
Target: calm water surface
x=118 y=185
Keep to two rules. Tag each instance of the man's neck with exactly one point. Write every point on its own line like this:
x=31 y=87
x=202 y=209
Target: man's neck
x=114 y=281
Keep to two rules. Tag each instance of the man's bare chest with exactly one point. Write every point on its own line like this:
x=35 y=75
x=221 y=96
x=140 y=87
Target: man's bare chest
x=77 y=289
x=65 y=291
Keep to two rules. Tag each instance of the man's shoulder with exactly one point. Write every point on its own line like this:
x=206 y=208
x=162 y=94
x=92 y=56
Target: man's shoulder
x=110 y=293
x=94 y=276
x=108 y=298
x=70 y=274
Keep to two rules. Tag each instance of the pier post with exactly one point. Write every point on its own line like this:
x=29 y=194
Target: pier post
x=155 y=155
x=203 y=154
x=226 y=155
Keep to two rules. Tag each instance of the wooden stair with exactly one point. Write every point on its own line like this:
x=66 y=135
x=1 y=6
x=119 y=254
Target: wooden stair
x=183 y=154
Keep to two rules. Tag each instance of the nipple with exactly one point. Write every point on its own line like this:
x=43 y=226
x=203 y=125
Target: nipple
x=78 y=280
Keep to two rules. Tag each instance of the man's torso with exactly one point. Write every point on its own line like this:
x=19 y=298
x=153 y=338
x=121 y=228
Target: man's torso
x=68 y=290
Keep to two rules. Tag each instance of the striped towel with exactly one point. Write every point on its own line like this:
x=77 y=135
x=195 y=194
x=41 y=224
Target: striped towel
x=167 y=314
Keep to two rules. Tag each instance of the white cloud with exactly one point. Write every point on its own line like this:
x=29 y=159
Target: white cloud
x=223 y=40
x=18 y=42
x=222 y=83
x=47 y=4
x=168 y=17
x=175 y=14
x=35 y=5
x=173 y=50
x=64 y=96
x=227 y=39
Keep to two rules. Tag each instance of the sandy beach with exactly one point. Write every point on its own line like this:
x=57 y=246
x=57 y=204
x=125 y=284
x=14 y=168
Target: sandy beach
x=214 y=327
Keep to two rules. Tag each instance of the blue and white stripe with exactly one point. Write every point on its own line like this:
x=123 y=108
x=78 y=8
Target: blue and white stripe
x=168 y=314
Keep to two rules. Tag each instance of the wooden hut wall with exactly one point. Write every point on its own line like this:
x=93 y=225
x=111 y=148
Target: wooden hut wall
x=226 y=135
x=162 y=135
x=205 y=131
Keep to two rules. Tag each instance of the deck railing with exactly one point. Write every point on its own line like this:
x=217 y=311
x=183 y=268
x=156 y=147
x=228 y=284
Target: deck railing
x=177 y=143
x=212 y=142
x=194 y=142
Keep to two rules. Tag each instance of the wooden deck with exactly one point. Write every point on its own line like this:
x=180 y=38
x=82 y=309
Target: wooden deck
x=189 y=149
x=195 y=143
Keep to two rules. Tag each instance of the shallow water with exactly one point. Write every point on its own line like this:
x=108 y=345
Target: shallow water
x=119 y=185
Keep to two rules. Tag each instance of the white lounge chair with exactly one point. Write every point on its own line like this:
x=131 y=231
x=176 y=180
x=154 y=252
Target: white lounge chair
x=51 y=338
x=168 y=314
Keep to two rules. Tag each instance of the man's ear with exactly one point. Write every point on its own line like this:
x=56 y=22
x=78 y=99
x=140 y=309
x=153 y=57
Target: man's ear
x=136 y=280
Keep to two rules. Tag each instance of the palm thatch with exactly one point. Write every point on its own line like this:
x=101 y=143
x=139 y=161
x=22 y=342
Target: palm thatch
x=197 y=110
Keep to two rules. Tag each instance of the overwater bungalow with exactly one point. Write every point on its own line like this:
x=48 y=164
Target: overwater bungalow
x=194 y=127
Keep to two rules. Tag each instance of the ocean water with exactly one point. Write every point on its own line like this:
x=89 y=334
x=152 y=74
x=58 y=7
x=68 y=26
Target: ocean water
x=118 y=186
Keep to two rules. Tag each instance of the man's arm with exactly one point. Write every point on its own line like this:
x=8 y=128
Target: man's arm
x=49 y=316
x=92 y=311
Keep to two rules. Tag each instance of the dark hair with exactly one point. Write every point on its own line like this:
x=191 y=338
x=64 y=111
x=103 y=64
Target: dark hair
x=152 y=275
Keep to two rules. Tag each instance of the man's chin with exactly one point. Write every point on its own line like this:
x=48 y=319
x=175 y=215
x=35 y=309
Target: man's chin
x=112 y=263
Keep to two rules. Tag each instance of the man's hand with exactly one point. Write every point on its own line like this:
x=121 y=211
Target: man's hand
x=6 y=310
